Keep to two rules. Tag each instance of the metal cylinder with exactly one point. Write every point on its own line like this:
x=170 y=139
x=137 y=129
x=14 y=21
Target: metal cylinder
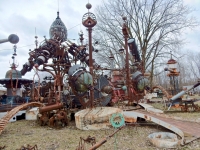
x=50 y=107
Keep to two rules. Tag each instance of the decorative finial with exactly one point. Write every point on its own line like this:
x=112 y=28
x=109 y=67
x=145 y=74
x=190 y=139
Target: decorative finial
x=36 y=41
x=13 y=65
x=58 y=15
x=171 y=54
x=88 y=6
x=81 y=37
x=14 y=47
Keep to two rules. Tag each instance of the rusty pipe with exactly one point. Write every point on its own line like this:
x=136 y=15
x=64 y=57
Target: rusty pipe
x=50 y=107
x=104 y=140
x=94 y=147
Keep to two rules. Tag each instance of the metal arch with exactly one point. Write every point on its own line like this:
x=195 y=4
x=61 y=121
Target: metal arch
x=10 y=114
x=117 y=120
x=104 y=98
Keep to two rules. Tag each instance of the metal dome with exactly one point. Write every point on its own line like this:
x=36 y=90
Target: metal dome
x=171 y=61
x=15 y=74
x=58 y=29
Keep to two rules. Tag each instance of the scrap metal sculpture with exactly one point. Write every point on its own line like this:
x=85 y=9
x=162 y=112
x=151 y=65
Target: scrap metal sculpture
x=64 y=56
x=138 y=83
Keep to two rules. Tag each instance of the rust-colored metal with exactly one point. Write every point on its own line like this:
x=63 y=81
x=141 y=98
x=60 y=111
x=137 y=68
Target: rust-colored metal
x=50 y=107
x=11 y=113
x=28 y=147
x=128 y=81
x=59 y=119
x=187 y=106
x=88 y=140
x=89 y=21
x=187 y=130
x=104 y=140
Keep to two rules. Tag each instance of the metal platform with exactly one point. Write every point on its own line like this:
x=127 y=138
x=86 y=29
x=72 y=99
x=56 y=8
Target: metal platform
x=188 y=131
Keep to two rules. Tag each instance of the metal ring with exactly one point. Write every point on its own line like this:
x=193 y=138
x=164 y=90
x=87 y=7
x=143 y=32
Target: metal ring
x=117 y=120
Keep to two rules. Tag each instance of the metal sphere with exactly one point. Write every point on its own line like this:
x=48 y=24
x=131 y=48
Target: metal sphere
x=13 y=38
x=124 y=18
x=88 y=6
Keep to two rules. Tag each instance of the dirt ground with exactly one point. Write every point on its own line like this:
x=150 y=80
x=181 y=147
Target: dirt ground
x=131 y=137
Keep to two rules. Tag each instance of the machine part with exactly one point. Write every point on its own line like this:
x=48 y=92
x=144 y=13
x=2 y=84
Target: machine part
x=117 y=120
x=102 y=92
x=176 y=100
x=164 y=140
x=50 y=107
x=53 y=115
x=140 y=81
x=59 y=119
x=133 y=49
x=183 y=92
x=11 y=113
x=80 y=79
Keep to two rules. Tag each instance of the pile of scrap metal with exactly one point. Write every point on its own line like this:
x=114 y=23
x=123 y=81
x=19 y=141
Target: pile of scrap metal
x=54 y=115
x=185 y=105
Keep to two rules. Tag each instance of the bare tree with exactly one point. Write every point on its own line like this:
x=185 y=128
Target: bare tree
x=157 y=26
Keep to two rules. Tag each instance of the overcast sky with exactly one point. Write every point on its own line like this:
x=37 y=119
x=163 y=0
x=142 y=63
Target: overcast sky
x=22 y=17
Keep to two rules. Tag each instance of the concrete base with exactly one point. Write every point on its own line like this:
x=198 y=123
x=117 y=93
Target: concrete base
x=32 y=113
x=95 y=118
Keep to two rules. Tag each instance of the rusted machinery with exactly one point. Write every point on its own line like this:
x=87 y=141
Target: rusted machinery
x=129 y=82
x=54 y=115
x=185 y=105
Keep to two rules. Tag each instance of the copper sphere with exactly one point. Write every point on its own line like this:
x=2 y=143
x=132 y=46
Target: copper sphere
x=88 y=6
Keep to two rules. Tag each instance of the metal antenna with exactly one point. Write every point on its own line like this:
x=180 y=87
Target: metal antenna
x=36 y=41
x=58 y=5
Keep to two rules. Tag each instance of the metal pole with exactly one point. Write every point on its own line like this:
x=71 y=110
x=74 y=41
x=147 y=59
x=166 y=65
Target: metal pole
x=91 y=65
x=128 y=84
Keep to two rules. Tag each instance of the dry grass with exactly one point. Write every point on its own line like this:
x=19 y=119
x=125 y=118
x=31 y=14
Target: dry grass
x=24 y=132
x=131 y=137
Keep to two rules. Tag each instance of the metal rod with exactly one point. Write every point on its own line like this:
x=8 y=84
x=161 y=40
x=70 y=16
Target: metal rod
x=91 y=65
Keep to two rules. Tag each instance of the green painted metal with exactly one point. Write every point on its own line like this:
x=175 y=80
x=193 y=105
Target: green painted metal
x=117 y=120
